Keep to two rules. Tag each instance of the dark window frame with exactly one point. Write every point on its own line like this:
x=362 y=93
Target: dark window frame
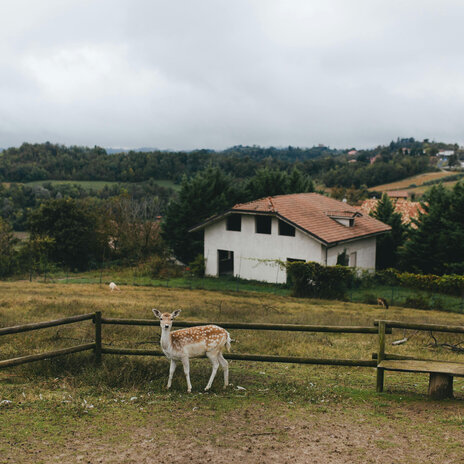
x=230 y=222
x=285 y=229
x=263 y=225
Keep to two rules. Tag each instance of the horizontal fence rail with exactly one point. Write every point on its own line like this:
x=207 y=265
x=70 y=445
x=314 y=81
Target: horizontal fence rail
x=44 y=325
x=251 y=326
x=254 y=357
x=99 y=349
x=416 y=326
x=50 y=354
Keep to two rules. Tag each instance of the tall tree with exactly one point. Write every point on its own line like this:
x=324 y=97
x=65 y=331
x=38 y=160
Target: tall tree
x=436 y=246
x=75 y=228
x=208 y=193
x=133 y=228
x=7 y=250
x=388 y=244
x=269 y=182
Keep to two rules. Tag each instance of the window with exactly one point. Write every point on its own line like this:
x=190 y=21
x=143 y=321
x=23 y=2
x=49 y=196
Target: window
x=353 y=259
x=263 y=224
x=286 y=229
x=234 y=222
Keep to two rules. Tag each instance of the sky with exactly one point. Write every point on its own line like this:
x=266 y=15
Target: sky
x=186 y=74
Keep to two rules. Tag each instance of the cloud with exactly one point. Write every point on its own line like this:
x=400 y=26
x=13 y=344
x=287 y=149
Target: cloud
x=214 y=73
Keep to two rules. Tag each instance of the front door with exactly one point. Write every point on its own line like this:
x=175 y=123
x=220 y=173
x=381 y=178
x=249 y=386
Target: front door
x=225 y=262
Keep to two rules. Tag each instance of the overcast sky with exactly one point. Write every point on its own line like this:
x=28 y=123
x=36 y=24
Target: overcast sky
x=184 y=74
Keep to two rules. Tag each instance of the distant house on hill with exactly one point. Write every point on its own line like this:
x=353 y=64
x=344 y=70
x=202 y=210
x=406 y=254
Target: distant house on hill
x=397 y=194
x=249 y=239
x=408 y=209
x=445 y=153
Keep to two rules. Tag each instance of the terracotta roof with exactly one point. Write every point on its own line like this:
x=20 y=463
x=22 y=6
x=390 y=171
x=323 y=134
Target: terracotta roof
x=397 y=193
x=408 y=209
x=310 y=213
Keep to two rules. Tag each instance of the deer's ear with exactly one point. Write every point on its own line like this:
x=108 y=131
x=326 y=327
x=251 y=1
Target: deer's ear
x=176 y=313
x=156 y=313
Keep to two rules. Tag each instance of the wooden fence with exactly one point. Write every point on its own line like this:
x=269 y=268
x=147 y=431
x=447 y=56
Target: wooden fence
x=99 y=349
x=441 y=373
x=43 y=325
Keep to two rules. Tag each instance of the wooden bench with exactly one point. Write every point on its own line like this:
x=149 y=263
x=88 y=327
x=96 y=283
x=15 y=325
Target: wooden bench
x=441 y=372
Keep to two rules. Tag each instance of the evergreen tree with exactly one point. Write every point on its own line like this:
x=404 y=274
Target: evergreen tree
x=209 y=192
x=436 y=246
x=388 y=244
x=270 y=182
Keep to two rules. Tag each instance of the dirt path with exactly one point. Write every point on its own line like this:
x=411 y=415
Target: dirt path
x=410 y=434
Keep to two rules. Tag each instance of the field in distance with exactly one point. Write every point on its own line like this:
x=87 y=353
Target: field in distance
x=418 y=180
x=95 y=184
x=414 y=184
x=65 y=410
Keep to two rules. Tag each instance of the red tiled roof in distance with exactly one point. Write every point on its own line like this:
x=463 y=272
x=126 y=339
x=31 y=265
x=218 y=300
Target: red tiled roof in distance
x=397 y=194
x=309 y=211
x=408 y=209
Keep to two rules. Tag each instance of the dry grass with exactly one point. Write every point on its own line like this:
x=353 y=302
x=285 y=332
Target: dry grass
x=27 y=302
x=66 y=409
x=417 y=180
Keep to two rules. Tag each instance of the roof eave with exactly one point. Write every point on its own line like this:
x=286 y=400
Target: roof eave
x=359 y=237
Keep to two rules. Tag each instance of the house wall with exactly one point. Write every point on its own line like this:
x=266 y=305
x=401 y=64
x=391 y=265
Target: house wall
x=255 y=254
x=365 y=253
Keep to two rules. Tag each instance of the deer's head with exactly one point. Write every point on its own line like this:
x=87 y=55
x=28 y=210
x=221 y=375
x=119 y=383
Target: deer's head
x=166 y=318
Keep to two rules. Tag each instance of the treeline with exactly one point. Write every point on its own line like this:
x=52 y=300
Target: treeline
x=32 y=162
x=386 y=169
x=17 y=201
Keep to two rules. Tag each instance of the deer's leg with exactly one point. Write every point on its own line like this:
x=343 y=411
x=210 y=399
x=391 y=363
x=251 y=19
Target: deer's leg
x=172 y=369
x=225 y=367
x=213 y=357
x=186 y=364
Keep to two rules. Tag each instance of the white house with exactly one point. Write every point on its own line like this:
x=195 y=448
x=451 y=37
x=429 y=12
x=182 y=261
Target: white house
x=248 y=240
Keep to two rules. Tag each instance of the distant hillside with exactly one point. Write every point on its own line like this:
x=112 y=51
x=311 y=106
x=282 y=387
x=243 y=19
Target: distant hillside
x=113 y=151
x=332 y=167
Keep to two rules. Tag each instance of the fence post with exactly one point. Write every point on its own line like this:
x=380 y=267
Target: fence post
x=381 y=356
x=98 y=338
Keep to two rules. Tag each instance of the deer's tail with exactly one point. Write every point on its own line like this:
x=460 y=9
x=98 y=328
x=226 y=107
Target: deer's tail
x=228 y=341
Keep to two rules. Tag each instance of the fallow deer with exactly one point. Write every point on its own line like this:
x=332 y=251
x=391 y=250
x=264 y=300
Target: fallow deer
x=382 y=302
x=113 y=286
x=193 y=342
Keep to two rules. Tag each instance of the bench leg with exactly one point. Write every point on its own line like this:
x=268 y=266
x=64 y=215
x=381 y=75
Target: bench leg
x=380 y=376
x=440 y=386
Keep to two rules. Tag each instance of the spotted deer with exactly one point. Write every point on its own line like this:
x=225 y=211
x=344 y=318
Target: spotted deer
x=193 y=342
x=382 y=302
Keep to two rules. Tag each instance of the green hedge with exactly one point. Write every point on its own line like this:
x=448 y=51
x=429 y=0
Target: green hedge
x=313 y=280
x=452 y=284
x=332 y=282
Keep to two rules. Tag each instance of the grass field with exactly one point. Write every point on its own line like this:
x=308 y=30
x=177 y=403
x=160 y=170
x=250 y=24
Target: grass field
x=99 y=184
x=418 y=180
x=68 y=410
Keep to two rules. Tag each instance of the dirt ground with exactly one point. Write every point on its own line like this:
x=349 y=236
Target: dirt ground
x=401 y=434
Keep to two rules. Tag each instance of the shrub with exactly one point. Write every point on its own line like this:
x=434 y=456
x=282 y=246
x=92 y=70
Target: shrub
x=197 y=266
x=417 y=301
x=313 y=280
